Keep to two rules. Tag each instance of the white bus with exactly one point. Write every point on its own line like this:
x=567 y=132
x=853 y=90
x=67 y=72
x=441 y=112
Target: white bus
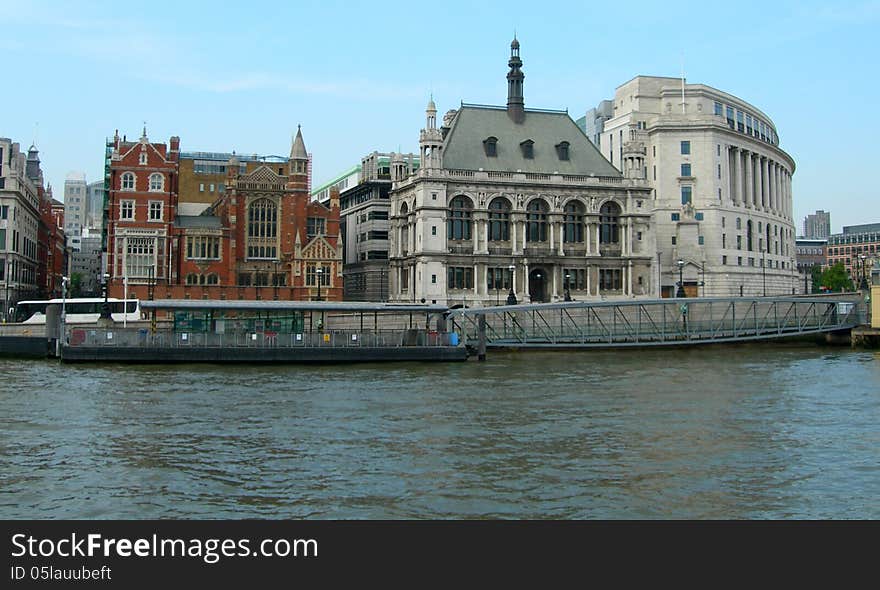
x=83 y=310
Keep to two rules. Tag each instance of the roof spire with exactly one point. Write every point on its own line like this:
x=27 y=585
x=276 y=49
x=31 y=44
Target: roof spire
x=515 y=100
x=298 y=146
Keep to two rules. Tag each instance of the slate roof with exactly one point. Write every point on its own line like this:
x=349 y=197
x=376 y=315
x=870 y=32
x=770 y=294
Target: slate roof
x=464 y=149
x=198 y=222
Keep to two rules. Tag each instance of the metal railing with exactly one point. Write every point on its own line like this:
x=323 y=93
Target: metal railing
x=654 y=322
x=144 y=338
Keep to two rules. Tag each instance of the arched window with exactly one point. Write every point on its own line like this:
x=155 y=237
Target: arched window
x=213 y=279
x=499 y=220
x=156 y=182
x=128 y=181
x=192 y=279
x=609 y=223
x=262 y=229
x=404 y=228
x=536 y=221
x=749 y=235
x=490 y=146
x=458 y=226
x=574 y=222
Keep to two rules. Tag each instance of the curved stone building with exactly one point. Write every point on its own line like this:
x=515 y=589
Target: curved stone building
x=722 y=199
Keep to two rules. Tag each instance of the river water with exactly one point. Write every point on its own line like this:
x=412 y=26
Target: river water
x=757 y=431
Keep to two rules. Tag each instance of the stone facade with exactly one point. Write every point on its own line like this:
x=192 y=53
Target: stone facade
x=723 y=200
x=515 y=201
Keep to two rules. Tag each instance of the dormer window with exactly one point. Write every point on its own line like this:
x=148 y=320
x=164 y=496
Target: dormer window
x=528 y=149
x=143 y=159
x=490 y=145
x=562 y=150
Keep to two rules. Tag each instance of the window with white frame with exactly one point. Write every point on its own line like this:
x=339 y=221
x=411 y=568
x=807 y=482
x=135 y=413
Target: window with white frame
x=156 y=182
x=139 y=257
x=126 y=210
x=143 y=159
x=155 y=211
x=128 y=181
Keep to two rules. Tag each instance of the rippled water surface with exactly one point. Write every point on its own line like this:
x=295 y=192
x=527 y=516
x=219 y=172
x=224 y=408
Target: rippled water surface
x=724 y=432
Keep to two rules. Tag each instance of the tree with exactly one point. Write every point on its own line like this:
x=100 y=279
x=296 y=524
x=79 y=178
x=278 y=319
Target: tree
x=816 y=276
x=835 y=278
x=75 y=285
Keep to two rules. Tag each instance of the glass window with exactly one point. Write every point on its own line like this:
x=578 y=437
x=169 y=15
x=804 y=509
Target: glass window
x=528 y=149
x=573 y=227
x=685 y=148
x=685 y=169
x=315 y=226
x=156 y=182
x=609 y=223
x=458 y=226
x=499 y=220
x=686 y=195
x=460 y=277
x=126 y=210
x=262 y=227
x=718 y=109
x=128 y=181
x=562 y=150
x=536 y=221
x=490 y=146
x=155 y=210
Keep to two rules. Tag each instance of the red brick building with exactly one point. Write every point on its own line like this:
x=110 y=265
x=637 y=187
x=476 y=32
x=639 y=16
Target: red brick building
x=261 y=238
x=141 y=209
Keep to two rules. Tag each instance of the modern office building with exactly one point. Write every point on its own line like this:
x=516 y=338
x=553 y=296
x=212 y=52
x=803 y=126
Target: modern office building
x=514 y=201
x=593 y=123
x=857 y=247
x=95 y=205
x=817 y=225
x=75 y=207
x=86 y=262
x=722 y=200
x=809 y=253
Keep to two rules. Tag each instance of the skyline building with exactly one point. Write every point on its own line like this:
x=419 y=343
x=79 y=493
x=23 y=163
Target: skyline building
x=817 y=225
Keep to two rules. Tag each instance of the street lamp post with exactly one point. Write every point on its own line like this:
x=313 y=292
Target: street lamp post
x=680 y=292
x=7 y=276
x=318 y=273
x=105 y=307
x=64 y=282
x=511 y=297
x=567 y=291
x=864 y=283
x=764 y=271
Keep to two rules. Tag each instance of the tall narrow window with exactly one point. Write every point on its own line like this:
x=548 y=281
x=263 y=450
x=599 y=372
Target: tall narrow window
x=536 y=221
x=685 y=169
x=609 y=223
x=499 y=220
x=574 y=222
x=685 y=148
x=458 y=226
x=262 y=229
x=528 y=149
x=686 y=193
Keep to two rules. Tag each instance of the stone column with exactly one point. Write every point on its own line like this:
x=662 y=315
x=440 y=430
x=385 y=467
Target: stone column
x=587 y=243
x=476 y=281
x=561 y=238
x=485 y=224
x=475 y=238
x=765 y=184
x=525 y=283
x=596 y=251
x=629 y=277
x=552 y=233
x=737 y=176
x=589 y=272
x=513 y=244
x=555 y=292
x=524 y=232
x=750 y=181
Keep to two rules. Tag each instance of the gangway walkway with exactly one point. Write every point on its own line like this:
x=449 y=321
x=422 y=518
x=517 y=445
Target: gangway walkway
x=656 y=322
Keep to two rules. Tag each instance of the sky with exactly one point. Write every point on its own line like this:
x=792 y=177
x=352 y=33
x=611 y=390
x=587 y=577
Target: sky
x=357 y=75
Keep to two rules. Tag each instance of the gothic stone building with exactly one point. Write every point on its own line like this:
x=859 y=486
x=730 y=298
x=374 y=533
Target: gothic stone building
x=515 y=200
x=261 y=238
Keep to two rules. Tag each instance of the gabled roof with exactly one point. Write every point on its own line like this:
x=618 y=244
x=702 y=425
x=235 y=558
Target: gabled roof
x=473 y=124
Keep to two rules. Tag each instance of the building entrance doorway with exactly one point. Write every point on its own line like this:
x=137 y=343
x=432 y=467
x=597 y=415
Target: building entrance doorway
x=537 y=285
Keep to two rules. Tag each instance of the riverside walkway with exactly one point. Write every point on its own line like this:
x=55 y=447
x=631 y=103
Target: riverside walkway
x=655 y=322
